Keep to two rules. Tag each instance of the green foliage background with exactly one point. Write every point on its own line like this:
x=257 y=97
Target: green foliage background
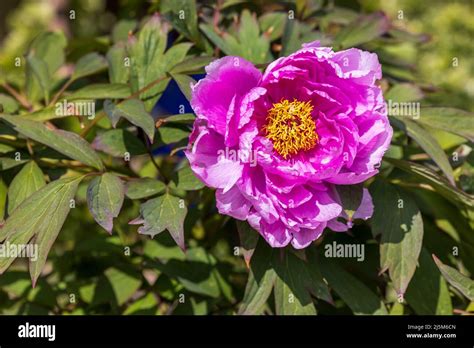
x=426 y=53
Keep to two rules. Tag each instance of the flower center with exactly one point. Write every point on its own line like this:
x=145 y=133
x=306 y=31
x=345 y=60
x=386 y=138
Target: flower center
x=290 y=127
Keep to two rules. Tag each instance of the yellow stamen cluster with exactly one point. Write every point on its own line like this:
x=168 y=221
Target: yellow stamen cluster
x=291 y=127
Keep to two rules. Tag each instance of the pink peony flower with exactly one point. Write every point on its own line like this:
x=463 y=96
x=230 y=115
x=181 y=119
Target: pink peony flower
x=276 y=145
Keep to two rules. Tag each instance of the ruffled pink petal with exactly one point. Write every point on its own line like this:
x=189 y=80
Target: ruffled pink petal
x=207 y=160
x=223 y=174
x=226 y=78
x=276 y=234
x=305 y=237
x=337 y=226
x=232 y=203
x=366 y=208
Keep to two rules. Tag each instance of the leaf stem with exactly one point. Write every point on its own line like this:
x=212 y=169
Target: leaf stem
x=30 y=148
x=153 y=161
x=19 y=97
x=60 y=92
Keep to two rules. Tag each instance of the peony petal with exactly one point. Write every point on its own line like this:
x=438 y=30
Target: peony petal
x=305 y=237
x=359 y=66
x=224 y=174
x=276 y=234
x=337 y=226
x=226 y=78
x=233 y=203
x=366 y=208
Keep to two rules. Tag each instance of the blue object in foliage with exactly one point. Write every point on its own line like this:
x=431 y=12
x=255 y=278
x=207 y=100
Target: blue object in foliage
x=172 y=102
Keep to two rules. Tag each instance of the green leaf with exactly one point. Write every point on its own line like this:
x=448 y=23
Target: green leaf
x=45 y=114
x=117 y=142
x=294 y=280
x=297 y=33
x=147 y=305
x=37 y=73
x=186 y=180
x=89 y=64
x=105 y=196
x=134 y=111
x=456 y=279
x=29 y=180
x=3 y=199
x=291 y=294
x=191 y=65
x=406 y=36
x=8 y=105
x=398 y=220
x=226 y=42
x=289 y=41
x=176 y=54
x=154 y=249
x=8 y=163
x=248 y=239
x=6 y=148
x=16 y=283
x=451 y=220
x=399 y=73
x=273 y=23
x=67 y=143
x=315 y=282
x=184 y=83
x=183 y=16
x=362 y=30
x=101 y=91
x=254 y=46
x=118 y=71
x=144 y=187
x=230 y=3
x=124 y=284
x=404 y=93
x=248 y=43
x=440 y=184
x=360 y=299
x=198 y=273
x=87 y=292
x=307 y=9
x=165 y=212
x=167 y=285
x=397 y=309
x=48 y=48
x=181 y=118
x=428 y=293
x=199 y=308
x=260 y=282
x=451 y=120
x=147 y=62
x=170 y=134
x=215 y=285
x=429 y=144
x=38 y=220
x=122 y=29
